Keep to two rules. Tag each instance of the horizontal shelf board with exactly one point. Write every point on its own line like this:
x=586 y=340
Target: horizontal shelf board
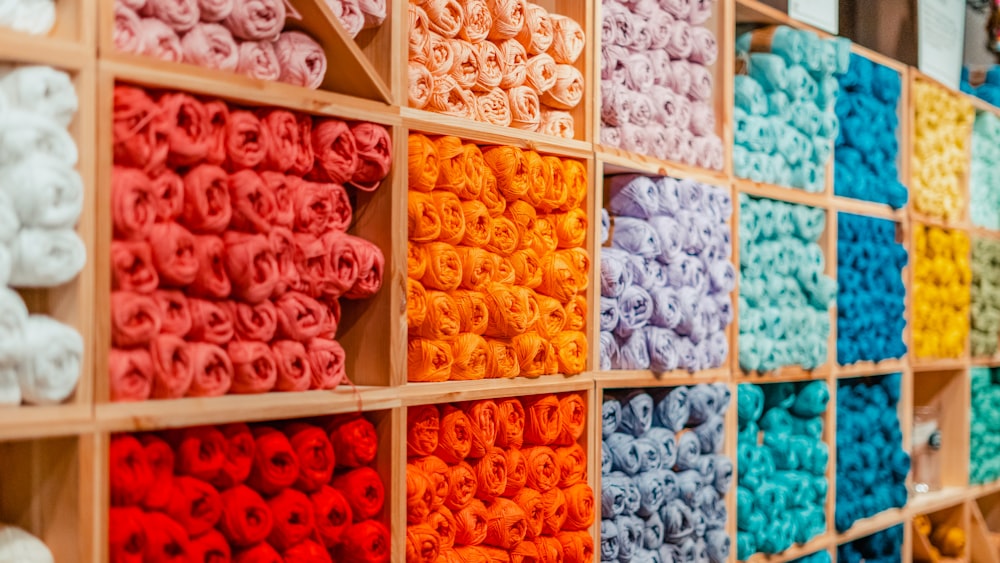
x=984 y=233
x=53 y=51
x=952 y=224
x=486 y=133
x=927 y=503
x=979 y=491
x=780 y=193
x=137 y=69
x=940 y=364
x=868 y=526
x=982 y=105
x=796 y=551
x=988 y=362
x=28 y=422
x=154 y=415
x=788 y=373
x=619 y=161
x=620 y=379
x=863 y=369
x=868 y=208
x=454 y=391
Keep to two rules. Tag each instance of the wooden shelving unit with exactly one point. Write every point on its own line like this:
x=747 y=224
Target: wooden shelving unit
x=53 y=460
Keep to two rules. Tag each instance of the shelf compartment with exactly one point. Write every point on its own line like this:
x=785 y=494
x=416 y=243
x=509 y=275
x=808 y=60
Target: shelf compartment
x=368 y=363
x=389 y=427
x=583 y=129
x=45 y=488
x=71 y=303
x=348 y=69
x=722 y=26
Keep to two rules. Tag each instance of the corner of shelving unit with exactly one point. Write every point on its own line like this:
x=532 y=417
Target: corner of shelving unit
x=350 y=70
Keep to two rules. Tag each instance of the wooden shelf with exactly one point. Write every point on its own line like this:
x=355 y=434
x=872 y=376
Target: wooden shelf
x=868 y=526
x=620 y=161
x=485 y=133
x=619 y=379
x=789 y=373
x=820 y=543
x=863 y=369
x=156 y=415
x=141 y=71
x=27 y=422
x=867 y=208
x=453 y=391
x=782 y=193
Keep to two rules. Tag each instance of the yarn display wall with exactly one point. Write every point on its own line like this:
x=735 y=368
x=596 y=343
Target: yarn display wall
x=871 y=297
x=498 y=480
x=243 y=36
x=666 y=277
x=881 y=547
x=782 y=466
x=497 y=264
x=984 y=172
x=657 y=82
x=230 y=249
x=871 y=463
x=785 y=122
x=504 y=62
x=784 y=295
x=868 y=145
x=985 y=297
x=664 y=477
x=941 y=292
x=984 y=442
x=358 y=15
x=41 y=199
x=942 y=130
x=947 y=539
x=301 y=490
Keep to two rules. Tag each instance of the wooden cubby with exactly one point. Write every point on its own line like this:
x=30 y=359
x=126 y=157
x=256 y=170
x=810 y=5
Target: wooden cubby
x=53 y=460
x=722 y=25
x=582 y=113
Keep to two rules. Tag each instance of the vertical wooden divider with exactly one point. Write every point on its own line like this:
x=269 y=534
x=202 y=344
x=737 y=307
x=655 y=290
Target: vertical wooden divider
x=595 y=203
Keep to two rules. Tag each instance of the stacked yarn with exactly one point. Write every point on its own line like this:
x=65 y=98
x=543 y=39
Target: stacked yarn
x=984 y=465
x=657 y=82
x=784 y=120
x=885 y=546
x=35 y=17
x=243 y=36
x=985 y=297
x=984 y=172
x=871 y=297
x=301 y=490
x=497 y=264
x=868 y=147
x=499 y=480
x=942 y=128
x=666 y=278
x=41 y=198
x=504 y=62
x=664 y=477
x=782 y=466
x=871 y=463
x=988 y=91
x=358 y=15
x=230 y=250
x=947 y=540
x=784 y=294
x=19 y=545
x=941 y=290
